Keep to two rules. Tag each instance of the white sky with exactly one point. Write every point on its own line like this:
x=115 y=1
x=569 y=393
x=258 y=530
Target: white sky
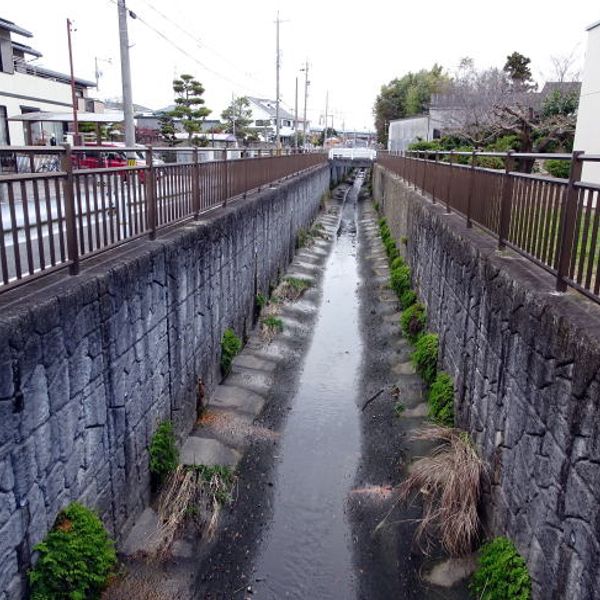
x=353 y=48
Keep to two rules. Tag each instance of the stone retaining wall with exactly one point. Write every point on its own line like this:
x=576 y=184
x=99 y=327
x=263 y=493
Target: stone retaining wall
x=90 y=365
x=526 y=363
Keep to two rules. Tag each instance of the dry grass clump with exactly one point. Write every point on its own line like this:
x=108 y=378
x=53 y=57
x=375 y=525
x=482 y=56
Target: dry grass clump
x=194 y=493
x=449 y=484
x=270 y=326
x=292 y=288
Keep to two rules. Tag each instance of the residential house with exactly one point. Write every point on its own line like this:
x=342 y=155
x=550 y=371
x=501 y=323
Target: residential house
x=587 y=134
x=27 y=88
x=264 y=120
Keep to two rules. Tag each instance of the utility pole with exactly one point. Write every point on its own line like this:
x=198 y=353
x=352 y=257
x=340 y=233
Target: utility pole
x=129 y=125
x=296 y=117
x=306 y=84
x=233 y=115
x=76 y=140
x=277 y=67
x=326 y=109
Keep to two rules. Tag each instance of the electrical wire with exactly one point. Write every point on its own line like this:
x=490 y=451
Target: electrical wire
x=190 y=56
x=197 y=41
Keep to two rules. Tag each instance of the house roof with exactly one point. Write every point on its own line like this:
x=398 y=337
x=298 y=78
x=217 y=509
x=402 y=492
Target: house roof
x=592 y=26
x=565 y=87
x=26 y=49
x=269 y=107
x=10 y=26
x=67 y=117
x=62 y=77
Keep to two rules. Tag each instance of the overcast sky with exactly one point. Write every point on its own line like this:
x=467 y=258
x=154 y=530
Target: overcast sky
x=352 y=48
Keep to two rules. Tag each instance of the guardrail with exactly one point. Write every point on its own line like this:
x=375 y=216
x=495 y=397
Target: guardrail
x=553 y=222
x=92 y=199
x=353 y=153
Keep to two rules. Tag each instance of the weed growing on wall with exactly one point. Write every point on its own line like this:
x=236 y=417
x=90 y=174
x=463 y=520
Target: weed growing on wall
x=75 y=558
x=400 y=280
x=407 y=299
x=441 y=400
x=501 y=573
x=413 y=321
x=164 y=456
x=261 y=301
x=230 y=347
x=425 y=355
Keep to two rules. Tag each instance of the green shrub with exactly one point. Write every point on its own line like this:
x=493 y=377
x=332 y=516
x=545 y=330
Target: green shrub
x=230 y=347
x=391 y=249
x=75 y=558
x=272 y=322
x=501 y=573
x=385 y=232
x=400 y=280
x=381 y=222
x=441 y=400
x=375 y=204
x=303 y=238
x=397 y=263
x=425 y=357
x=558 y=168
x=261 y=301
x=407 y=298
x=164 y=456
x=413 y=321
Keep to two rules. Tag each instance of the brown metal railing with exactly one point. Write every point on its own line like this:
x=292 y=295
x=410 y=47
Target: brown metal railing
x=61 y=204
x=553 y=222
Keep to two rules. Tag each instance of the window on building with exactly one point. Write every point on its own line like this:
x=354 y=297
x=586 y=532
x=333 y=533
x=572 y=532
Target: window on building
x=262 y=123
x=4 y=134
x=286 y=123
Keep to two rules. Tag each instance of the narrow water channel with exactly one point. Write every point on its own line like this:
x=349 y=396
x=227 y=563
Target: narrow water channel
x=307 y=550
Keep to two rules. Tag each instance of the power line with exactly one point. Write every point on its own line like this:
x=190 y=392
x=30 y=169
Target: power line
x=197 y=40
x=190 y=56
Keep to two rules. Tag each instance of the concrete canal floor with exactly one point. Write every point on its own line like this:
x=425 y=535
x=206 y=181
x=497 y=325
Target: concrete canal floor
x=310 y=496
x=317 y=467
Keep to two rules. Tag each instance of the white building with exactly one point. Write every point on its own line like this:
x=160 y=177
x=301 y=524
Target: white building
x=264 y=120
x=25 y=88
x=587 y=134
x=403 y=132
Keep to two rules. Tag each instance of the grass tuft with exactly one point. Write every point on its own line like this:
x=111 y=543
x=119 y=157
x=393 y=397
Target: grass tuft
x=441 y=400
x=292 y=288
x=425 y=356
x=192 y=492
x=407 y=298
x=413 y=321
x=230 y=347
x=449 y=485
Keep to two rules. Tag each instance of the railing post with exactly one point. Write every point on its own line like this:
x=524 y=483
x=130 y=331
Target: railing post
x=506 y=202
x=568 y=218
x=449 y=187
x=424 y=167
x=70 y=217
x=436 y=173
x=151 y=212
x=226 y=169
x=196 y=184
x=471 y=189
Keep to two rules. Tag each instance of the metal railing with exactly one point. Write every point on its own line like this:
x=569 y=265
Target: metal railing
x=95 y=198
x=553 y=222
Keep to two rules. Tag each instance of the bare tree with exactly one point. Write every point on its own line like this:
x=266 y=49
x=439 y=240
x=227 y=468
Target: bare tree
x=565 y=67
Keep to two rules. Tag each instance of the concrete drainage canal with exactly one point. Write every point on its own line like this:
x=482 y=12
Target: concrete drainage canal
x=307 y=419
